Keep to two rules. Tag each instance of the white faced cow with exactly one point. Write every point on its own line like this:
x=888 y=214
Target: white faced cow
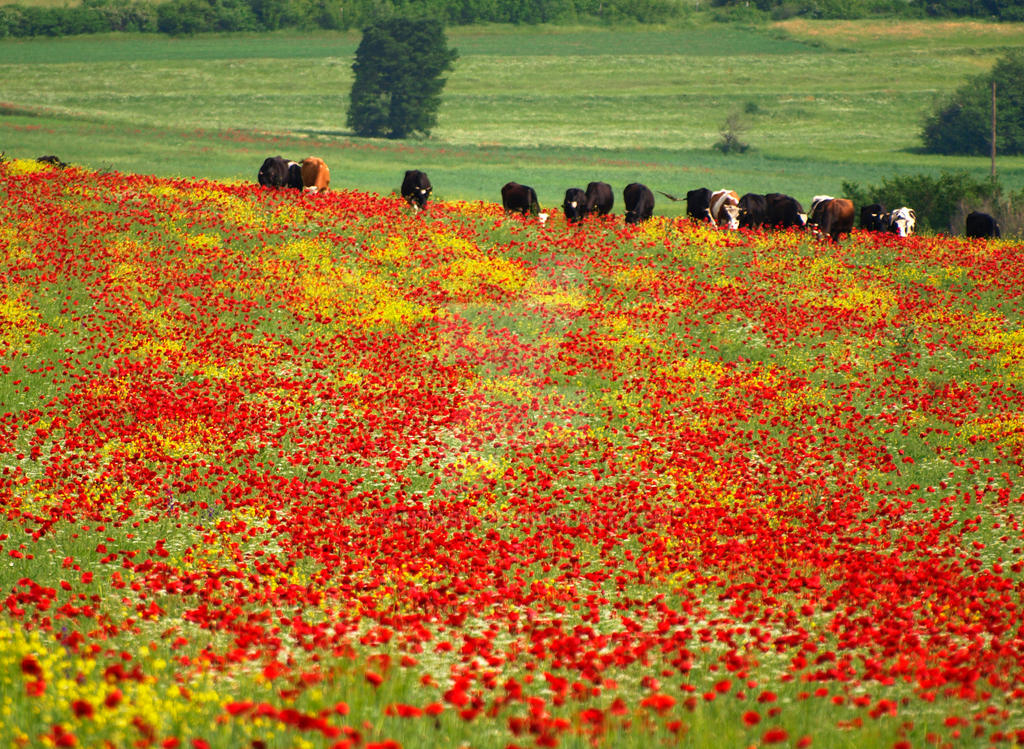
x=416 y=188
x=725 y=208
x=902 y=221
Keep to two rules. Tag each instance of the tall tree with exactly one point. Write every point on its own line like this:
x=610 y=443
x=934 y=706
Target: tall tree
x=398 y=83
x=963 y=123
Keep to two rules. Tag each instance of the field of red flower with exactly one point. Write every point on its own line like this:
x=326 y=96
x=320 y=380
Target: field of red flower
x=291 y=470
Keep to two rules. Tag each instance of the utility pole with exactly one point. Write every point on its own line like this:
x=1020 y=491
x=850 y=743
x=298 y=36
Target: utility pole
x=993 y=132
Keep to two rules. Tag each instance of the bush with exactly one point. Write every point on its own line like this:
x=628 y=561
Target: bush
x=730 y=132
x=1002 y=10
x=124 y=15
x=935 y=200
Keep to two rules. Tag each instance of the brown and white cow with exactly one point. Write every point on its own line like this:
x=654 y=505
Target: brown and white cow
x=725 y=208
x=832 y=216
x=316 y=177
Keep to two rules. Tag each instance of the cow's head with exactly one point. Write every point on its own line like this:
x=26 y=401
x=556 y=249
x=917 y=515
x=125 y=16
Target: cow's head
x=903 y=221
x=729 y=216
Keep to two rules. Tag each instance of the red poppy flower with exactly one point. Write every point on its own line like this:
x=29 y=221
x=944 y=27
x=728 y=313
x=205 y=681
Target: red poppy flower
x=659 y=702
x=775 y=735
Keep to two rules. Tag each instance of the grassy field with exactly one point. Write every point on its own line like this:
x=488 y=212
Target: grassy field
x=821 y=102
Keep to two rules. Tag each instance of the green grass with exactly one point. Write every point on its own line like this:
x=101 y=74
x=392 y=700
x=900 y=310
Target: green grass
x=822 y=102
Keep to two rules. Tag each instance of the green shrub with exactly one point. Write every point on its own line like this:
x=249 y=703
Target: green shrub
x=935 y=200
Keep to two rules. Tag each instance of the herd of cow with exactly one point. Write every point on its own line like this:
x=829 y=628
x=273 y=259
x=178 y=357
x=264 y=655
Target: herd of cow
x=828 y=216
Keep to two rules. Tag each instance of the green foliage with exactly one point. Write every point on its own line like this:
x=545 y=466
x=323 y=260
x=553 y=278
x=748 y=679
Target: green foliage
x=398 y=83
x=1002 y=10
x=935 y=200
x=16 y=20
x=194 y=16
x=962 y=124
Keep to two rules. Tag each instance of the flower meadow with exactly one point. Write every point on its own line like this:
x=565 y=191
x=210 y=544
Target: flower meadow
x=308 y=470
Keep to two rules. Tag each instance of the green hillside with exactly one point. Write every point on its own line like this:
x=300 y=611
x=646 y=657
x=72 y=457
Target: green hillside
x=819 y=103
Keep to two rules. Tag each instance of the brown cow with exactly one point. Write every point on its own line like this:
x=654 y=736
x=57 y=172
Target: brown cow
x=832 y=216
x=725 y=208
x=316 y=177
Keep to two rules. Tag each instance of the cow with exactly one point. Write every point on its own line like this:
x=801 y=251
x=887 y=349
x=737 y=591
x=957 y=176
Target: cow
x=832 y=216
x=725 y=209
x=901 y=222
x=980 y=224
x=698 y=204
x=600 y=198
x=53 y=161
x=783 y=211
x=517 y=198
x=575 y=205
x=316 y=177
x=753 y=211
x=294 y=175
x=279 y=172
x=871 y=217
x=639 y=202
x=416 y=189
x=774 y=210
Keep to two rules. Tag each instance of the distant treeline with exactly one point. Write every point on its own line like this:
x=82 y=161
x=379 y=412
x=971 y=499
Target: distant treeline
x=998 y=10
x=180 y=17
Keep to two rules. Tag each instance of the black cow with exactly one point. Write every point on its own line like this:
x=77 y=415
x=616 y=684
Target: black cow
x=698 y=204
x=871 y=217
x=753 y=211
x=783 y=211
x=639 y=202
x=53 y=161
x=981 y=225
x=574 y=205
x=279 y=172
x=599 y=198
x=517 y=198
x=416 y=188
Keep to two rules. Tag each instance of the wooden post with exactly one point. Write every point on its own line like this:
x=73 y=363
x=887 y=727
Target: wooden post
x=993 y=131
